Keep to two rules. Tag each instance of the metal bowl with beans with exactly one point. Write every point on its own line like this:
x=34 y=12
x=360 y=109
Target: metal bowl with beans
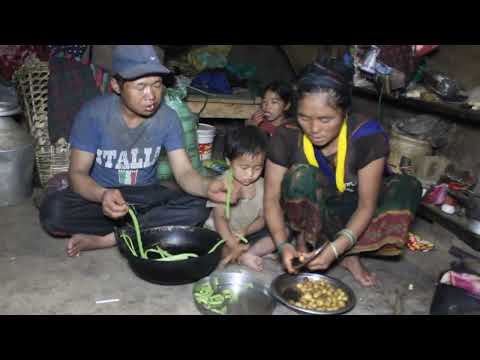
x=313 y=294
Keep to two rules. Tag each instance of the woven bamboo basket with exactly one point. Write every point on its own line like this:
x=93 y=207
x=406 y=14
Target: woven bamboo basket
x=32 y=87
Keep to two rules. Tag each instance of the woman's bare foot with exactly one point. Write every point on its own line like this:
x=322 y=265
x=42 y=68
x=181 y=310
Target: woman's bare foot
x=359 y=272
x=80 y=242
x=252 y=261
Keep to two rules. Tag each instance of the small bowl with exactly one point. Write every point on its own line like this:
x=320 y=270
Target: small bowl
x=253 y=297
x=285 y=282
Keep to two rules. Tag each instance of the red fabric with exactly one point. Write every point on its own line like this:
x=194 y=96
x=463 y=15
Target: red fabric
x=422 y=50
x=268 y=127
x=400 y=57
x=13 y=56
x=392 y=225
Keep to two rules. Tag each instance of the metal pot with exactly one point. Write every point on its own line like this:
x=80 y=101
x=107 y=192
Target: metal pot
x=175 y=240
x=445 y=87
x=16 y=156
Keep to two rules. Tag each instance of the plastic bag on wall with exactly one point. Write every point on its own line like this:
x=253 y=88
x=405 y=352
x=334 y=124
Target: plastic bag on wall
x=242 y=71
x=209 y=57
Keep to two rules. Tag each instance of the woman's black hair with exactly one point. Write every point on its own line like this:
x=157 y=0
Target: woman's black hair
x=244 y=140
x=327 y=75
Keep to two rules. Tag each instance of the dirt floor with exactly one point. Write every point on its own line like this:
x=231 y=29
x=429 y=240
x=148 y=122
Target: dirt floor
x=38 y=278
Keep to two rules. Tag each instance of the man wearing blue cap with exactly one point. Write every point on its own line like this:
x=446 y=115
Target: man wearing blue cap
x=115 y=145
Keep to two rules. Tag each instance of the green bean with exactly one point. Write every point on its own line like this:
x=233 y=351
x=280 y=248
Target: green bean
x=128 y=242
x=159 y=251
x=205 y=289
x=206 y=296
x=216 y=300
x=242 y=238
x=153 y=251
x=178 y=257
x=164 y=255
x=137 y=232
x=222 y=241
x=215 y=246
x=165 y=252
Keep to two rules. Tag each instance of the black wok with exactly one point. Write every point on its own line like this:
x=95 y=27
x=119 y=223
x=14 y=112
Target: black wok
x=175 y=240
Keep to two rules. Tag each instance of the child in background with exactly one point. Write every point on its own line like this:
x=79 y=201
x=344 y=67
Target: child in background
x=276 y=101
x=245 y=152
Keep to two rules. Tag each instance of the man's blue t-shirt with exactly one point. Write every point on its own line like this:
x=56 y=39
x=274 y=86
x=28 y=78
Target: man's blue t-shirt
x=124 y=156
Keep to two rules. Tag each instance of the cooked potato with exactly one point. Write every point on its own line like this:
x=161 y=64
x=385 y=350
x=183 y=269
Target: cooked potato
x=320 y=296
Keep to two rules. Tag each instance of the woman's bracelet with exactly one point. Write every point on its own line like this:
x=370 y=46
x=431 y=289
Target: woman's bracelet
x=349 y=235
x=335 y=251
x=281 y=246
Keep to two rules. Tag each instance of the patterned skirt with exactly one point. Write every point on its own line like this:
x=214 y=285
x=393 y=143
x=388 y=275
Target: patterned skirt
x=315 y=208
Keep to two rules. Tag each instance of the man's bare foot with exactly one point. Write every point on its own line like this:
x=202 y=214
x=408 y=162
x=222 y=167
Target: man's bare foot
x=80 y=242
x=359 y=272
x=252 y=261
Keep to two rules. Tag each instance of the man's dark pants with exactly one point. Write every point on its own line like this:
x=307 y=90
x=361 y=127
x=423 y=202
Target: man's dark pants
x=65 y=212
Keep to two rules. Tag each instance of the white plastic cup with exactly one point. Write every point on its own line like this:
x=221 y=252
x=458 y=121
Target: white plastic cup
x=206 y=135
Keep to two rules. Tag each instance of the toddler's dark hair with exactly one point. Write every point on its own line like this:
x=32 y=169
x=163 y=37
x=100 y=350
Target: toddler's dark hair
x=243 y=140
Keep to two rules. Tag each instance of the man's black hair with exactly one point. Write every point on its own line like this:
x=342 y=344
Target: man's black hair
x=120 y=80
x=243 y=140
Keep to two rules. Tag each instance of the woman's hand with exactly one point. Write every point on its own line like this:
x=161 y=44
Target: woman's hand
x=327 y=256
x=233 y=252
x=113 y=204
x=288 y=254
x=322 y=261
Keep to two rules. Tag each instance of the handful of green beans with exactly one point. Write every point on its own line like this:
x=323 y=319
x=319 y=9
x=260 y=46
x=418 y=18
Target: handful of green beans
x=207 y=296
x=213 y=300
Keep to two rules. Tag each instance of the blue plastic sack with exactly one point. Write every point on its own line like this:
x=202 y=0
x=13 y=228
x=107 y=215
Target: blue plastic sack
x=212 y=81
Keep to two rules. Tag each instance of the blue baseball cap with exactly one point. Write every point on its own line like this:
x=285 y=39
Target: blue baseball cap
x=134 y=61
